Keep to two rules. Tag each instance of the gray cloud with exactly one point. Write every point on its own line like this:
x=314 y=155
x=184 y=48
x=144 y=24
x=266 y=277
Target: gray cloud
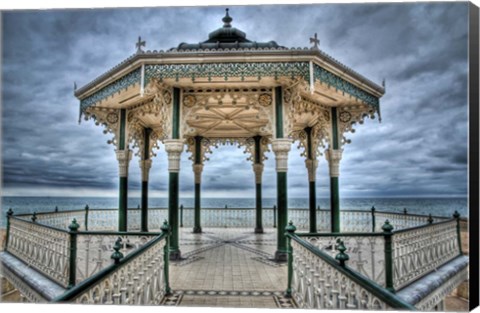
x=420 y=148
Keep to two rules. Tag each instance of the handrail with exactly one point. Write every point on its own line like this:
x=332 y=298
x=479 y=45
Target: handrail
x=372 y=287
x=17 y=217
x=421 y=226
x=96 y=278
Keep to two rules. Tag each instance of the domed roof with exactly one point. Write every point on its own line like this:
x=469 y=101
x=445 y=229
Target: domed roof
x=227 y=37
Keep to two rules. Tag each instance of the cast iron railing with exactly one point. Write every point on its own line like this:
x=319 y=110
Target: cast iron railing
x=351 y=220
x=140 y=278
x=316 y=280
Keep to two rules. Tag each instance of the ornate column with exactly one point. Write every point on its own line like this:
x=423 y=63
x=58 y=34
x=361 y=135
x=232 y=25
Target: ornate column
x=281 y=146
x=174 y=148
x=258 y=170
x=311 y=163
x=197 y=169
x=333 y=157
x=145 y=165
x=124 y=156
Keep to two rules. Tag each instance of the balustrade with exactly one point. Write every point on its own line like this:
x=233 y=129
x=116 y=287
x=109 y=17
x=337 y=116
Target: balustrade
x=366 y=252
x=95 y=248
x=319 y=282
x=137 y=279
x=418 y=251
x=44 y=248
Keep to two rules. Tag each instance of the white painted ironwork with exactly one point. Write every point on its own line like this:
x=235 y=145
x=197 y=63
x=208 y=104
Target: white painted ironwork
x=140 y=281
x=318 y=285
x=418 y=251
x=43 y=248
x=94 y=251
x=366 y=253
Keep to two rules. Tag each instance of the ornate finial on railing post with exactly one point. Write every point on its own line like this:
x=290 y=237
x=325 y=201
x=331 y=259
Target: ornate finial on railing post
x=342 y=257
x=373 y=219
x=387 y=235
x=226 y=207
x=405 y=211
x=456 y=215
x=73 y=227
x=430 y=219
x=165 y=228
x=56 y=209
x=87 y=208
x=274 y=216
x=290 y=231
x=117 y=255
x=138 y=207
x=34 y=217
x=7 y=235
x=181 y=215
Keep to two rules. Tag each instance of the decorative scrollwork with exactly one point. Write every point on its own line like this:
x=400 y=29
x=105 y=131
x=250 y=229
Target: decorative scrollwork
x=106 y=117
x=349 y=116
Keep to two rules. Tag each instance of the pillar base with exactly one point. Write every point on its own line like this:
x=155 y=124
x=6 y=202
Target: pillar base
x=175 y=255
x=281 y=256
x=259 y=230
x=197 y=230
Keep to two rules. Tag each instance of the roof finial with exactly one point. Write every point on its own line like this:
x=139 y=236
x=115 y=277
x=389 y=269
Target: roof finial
x=140 y=43
x=315 y=41
x=227 y=19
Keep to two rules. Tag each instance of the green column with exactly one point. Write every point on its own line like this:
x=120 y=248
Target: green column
x=258 y=169
x=334 y=184
x=280 y=147
x=197 y=228
x=145 y=168
x=123 y=159
x=311 y=167
x=173 y=185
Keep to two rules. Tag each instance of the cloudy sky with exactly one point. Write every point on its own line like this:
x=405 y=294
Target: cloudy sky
x=419 y=149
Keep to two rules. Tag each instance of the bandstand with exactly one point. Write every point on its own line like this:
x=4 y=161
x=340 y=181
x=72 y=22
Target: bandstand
x=258 y=95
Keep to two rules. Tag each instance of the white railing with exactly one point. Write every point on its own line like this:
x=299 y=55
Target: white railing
x=420 y=250
x=43 y=248
x=350 y=220
x=94 y=250
x=367 y=253
x=319 y=283
x=139 y=279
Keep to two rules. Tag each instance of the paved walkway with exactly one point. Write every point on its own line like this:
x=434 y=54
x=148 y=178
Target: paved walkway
x=228 y=267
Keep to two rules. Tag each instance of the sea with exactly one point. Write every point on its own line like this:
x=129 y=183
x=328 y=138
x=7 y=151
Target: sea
x=435 y=206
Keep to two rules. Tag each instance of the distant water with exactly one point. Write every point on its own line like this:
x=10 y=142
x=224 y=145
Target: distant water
x=435 y=206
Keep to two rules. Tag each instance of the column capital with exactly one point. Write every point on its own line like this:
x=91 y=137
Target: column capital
x=281 y=147
x=333 y=157
x=258 y=170
x=123 y=157
x=145 y=166
x=311 y=165
x=197 y=170
x=174 y=148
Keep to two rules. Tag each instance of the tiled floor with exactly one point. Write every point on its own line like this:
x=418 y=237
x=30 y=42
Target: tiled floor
x=228 y=267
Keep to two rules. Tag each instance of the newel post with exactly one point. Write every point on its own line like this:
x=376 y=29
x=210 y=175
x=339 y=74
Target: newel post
x=290 y=231
x=456 y=215
x=165 y=228
x=373 y=219
x=274 y=216
x=7 y=236
x=74 y=226
x=86 y=216
x=387 y=234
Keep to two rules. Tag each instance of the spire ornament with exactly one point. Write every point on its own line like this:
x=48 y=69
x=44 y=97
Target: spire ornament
x=315 y=41
x=140 y=43
x=227 y=19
